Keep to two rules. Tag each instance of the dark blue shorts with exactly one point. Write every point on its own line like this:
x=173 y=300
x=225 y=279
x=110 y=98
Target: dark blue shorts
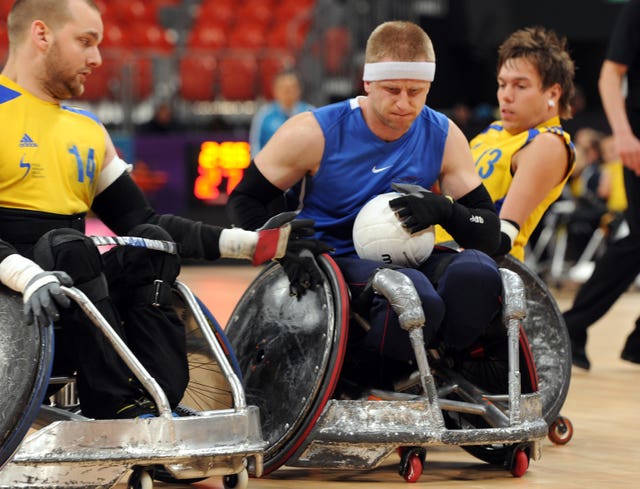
x=460 y=294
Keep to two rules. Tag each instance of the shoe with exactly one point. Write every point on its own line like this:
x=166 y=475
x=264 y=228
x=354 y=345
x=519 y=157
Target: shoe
x=138 y=408
x=183 y=411
x=630 y=356
x=631 y=350
x=579 y=355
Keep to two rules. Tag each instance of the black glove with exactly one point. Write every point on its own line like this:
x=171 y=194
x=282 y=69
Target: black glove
x=298 y=261
x=419 y=208
x=40 y=305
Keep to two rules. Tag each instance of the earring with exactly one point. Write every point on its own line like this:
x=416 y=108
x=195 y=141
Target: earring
x=551 y=103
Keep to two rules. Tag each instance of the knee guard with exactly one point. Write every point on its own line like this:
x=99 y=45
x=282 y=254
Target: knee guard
x=72 y=251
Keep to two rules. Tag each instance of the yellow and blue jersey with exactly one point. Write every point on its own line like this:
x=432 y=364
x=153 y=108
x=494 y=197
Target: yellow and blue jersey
x=51 y=155
x=493 y=150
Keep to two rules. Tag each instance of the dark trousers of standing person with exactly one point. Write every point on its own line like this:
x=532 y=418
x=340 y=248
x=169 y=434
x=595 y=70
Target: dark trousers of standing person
x=614 y=272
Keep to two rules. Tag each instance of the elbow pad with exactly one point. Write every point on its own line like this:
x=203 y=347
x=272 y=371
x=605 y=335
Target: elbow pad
x=248 y=204
x=474 y=222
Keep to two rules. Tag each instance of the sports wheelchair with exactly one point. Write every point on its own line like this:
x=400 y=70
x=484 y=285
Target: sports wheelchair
x=216 y=432
x=291 y=354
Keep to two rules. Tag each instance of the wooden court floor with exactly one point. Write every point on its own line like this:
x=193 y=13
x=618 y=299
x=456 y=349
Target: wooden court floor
x=603 y=405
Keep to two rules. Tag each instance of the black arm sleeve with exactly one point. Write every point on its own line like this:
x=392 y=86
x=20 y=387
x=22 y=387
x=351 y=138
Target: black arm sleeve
x=122 y=205
x=249 y=203
x=474 y=222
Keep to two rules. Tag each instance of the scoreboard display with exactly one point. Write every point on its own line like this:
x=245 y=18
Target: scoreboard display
x=215 y=168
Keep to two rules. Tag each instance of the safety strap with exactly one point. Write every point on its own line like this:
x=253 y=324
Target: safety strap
x=156 y=294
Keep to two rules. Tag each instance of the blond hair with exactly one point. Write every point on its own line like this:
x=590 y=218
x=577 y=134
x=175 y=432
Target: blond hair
x=399 y=41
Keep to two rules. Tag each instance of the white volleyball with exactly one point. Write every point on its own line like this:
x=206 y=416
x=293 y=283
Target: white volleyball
x=378 y=235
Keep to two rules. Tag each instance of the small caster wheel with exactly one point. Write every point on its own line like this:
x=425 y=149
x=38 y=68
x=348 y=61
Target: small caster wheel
x=519 y=462
x=140 y=479
x=236 y=481
x=411 y=463
x=560 y=431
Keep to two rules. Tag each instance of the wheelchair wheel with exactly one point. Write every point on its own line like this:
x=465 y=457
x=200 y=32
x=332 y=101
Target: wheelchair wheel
x=290 y=353
x=208 y=388
x=26 y=354
x=549 y=339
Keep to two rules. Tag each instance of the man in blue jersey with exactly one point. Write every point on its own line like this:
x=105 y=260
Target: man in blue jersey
x=56 y=164
x=286 y=103
x=335 y=158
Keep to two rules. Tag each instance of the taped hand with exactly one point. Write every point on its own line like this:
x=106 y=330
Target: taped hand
x=43 y=294
x=420 y=208
x=296 y=250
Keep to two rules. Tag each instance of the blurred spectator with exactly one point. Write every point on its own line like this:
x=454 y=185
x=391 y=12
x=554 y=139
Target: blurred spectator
x=163 y=121
x=584 y=183
x=611 y=182
x=471 y=121
x=287 y=93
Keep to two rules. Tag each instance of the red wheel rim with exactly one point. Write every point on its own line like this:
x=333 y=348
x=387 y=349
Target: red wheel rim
x=520 y=463
x=414 y=469
x=561 y=431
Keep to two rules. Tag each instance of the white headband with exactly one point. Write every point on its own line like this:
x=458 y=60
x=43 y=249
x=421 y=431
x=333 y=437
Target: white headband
x=399 y=70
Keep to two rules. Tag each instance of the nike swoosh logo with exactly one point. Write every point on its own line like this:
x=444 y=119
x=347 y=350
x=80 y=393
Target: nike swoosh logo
x=378 y=170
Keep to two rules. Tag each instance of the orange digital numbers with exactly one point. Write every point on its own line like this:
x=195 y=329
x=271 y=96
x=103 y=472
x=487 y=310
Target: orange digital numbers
x=219 y=161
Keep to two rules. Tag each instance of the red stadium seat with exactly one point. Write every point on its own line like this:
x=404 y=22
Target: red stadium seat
x=336 y=48
x=97 y=86
x=270 y=65
x=5 y=7
x=257 y=13
x=4 y=37
x=289 y=36
x=104 y=81
x=197 y=77
x=142 y=77
x=133 y=11
x=151 y=36
x=246 y=35
x=219 y=13
x=288 y=10
x=115 y=37
x=207 y=37
x=237 y=77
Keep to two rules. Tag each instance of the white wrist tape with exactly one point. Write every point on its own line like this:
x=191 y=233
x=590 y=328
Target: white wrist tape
x=237 y=243
x=16 y=271
x=399 y=70
x=509 y=229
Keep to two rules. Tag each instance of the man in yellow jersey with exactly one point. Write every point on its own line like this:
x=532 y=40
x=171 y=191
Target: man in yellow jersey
x=56 y=164
x=525 y=158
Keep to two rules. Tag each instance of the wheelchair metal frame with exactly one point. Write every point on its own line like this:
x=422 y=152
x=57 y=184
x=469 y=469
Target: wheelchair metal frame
x=360 y=432
x=73 y=451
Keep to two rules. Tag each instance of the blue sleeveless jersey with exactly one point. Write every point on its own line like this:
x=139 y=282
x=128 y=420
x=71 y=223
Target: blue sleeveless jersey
x=357 y=165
